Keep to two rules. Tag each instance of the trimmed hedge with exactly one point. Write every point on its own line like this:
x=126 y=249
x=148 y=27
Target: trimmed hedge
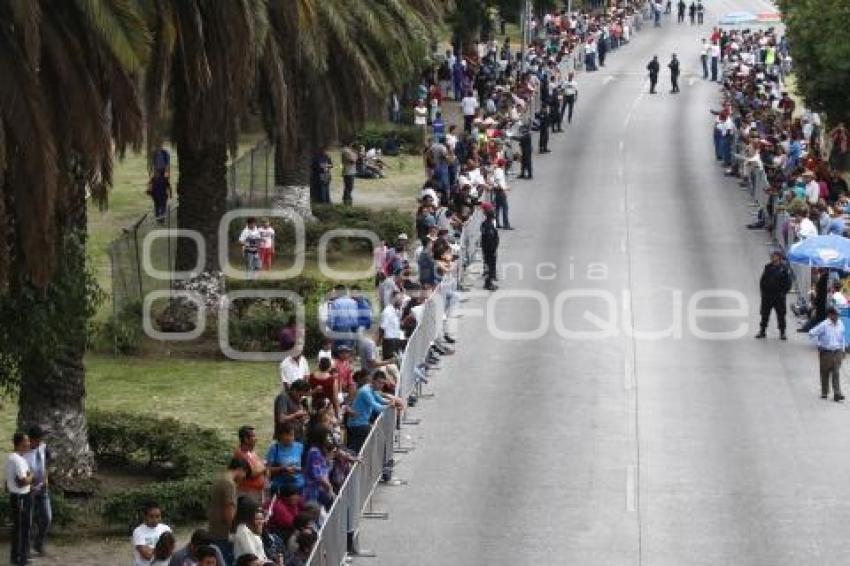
x=186 y=454
x=168 y=447
x=183 y=501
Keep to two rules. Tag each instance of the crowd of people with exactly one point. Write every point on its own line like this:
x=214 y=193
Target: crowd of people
x=269 y=504
x=792 y=170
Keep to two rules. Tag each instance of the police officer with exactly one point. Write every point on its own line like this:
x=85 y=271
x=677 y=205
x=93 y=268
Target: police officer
x=775 y=284
x=653 y=69
x=681 y=11
x=545 y=125
x=525 y=149
x=674 y=73
x=489 y=245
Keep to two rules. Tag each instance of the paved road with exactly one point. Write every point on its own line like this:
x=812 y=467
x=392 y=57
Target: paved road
x=673 y=451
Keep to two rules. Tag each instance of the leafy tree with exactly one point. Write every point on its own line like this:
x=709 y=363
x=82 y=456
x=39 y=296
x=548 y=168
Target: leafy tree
x=68 y=100
x=202 y=69
x=331 y=63
x=817 y=31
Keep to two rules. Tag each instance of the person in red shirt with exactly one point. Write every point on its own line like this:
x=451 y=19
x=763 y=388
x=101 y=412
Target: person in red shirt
x=286 y=504
x=255 y=481
x=345 y=373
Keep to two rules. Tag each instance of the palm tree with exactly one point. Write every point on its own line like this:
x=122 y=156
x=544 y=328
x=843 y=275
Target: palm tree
x=203 y=63
x=68 y=101
x=338 y=58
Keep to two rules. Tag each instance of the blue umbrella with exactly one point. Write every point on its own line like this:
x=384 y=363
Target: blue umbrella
x=822 y=251
x=738 y=18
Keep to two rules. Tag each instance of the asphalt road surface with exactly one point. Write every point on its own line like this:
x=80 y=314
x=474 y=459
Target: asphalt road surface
x=672 y=450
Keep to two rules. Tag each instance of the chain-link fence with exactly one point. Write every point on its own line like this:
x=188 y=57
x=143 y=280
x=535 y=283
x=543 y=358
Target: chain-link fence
x=250 y=183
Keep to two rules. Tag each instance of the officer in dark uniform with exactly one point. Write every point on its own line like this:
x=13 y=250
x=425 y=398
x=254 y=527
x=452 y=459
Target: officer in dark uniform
x=489 y=245
x=775 y=284
x=556 y=100
x=545 y=125
x=653 y=69
x=681 y=14
x=674 y=74
x=525 y=149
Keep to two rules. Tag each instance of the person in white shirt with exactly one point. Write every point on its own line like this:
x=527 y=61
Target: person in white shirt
x=19 y=480
x=468 y=105
x=812 y=187
x=293 y=367
x=146 y=535
x=829 y=337
x=246 y=540
x=266 y=244
x=390 y=329
x=37 y=459
x=250 y=239
x=807 y=228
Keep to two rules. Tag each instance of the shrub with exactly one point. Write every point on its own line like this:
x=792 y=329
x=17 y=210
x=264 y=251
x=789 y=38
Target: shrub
x=255 y=324
x=187 y=454
x=183 y=501
x=378 y=135
x=166 y=446
x=122 y=332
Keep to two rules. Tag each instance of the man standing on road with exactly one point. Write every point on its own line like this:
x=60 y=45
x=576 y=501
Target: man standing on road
x=829 y=336
x=775 y=284
x=674 y=74
x=570 y=87
x=700 y=12
x=489 y=245
x=715 y=59
x=681 y=13
x=543 y=140
x=703 y=56
x=653 y=69
x=526 y=149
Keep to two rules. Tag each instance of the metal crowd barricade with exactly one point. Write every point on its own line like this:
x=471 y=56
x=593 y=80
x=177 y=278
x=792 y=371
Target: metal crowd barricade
x=338 y=536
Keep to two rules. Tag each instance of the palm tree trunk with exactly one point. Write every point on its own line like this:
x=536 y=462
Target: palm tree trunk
x=292 y=179
x=202 y=191
x=53 y=387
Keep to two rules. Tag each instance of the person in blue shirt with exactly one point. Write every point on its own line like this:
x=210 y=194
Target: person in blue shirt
x=283 y=459
x=367 y=405
x=829 y=336
x=438 y=128
x=364 y=308
x=343 y=316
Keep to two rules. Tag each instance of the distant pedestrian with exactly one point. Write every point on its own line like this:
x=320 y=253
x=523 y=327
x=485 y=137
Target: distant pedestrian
x=681 y=11
x=654 y=67
x=700 y=12
x=349 y=171
x=489 y=245
x=250 y=239
x=829 y=336
x=570 y=88
x=715 y=59
x=703 y=57
x=775 y=283
x=526 y=149
x=674 y=74
x=159 y=189
x=692 y=13
x=320 y=177
x=38 y=457
x=19 y=479
x=267 y=236
x=543 y=139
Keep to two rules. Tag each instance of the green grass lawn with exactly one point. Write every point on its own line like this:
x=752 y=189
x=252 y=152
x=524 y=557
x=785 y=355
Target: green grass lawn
x=217 y=394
